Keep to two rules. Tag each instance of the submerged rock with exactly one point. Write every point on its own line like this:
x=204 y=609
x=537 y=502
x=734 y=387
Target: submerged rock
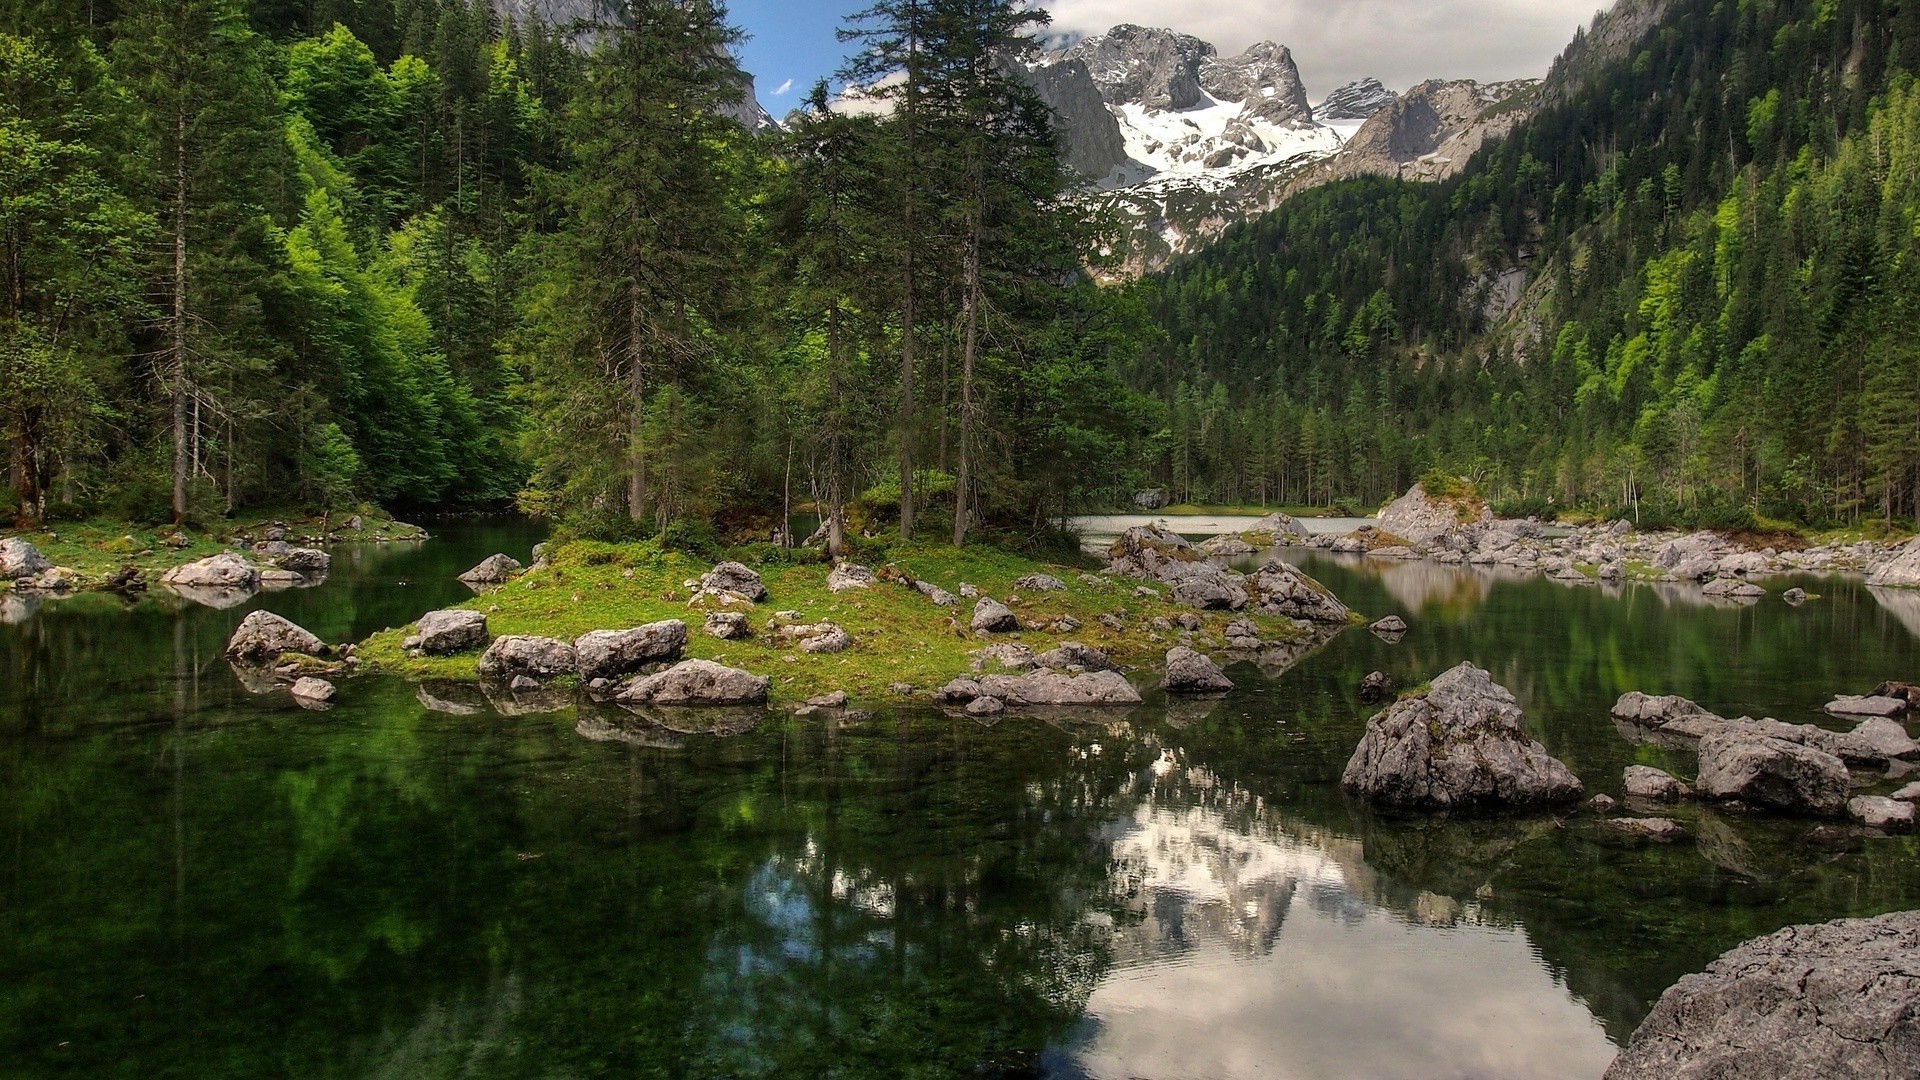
x=223 y=571
x=1824 y=1000
x=697 y=682
x=614 y=654
x=263 y=636
x=1658 y=830
x=533 y=657
x=19 y=559
x=1647 y=782
x=1375 y=688
x=1459 y=745
x=452 y=630
x=495 y=569
x=1772 y=772
x=1190 y=672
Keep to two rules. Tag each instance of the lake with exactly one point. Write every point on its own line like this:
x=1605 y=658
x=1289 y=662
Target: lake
x=202 y=882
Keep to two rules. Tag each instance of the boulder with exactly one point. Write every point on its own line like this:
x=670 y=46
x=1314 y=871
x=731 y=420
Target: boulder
x=1048 y=688
x=727 y=626
x=1278 y=528
x=19 y=559
x=940 y=596
x=1794 y=596
x=986 y=706
x=1010 y=656
x=1667 y=713
x=1039 y=583
x=1392 y=624
x=1190 y=672
x=821 y=637
x=1906 y=692
x=1837 y=999
x=310 y=689
x=1909 y=793
x=835 y=700
x=441 y=633
x=1280 y=588
x=1879 y=812
x=1216 y=592
x=223 y=571
x=1647 y=782
x=614 y=654
x=304 y=560
x=1150 y=500
x=1657 y=830
x=697 y=682
x=533 y=657
x=1733 y=587
x=263 y=636
x=1459 y=745
x=732 y=579
x=496 y=569
x=847 y=576
x=1901 y=570
x=1418 y=518
x=1225 y=546
x=1771 y=772
x=1143 y=550
x=1375 y=688
x=274 y=579
x=990 y=616
x=1074 y=654
x=959 y=691
x=1850 y=705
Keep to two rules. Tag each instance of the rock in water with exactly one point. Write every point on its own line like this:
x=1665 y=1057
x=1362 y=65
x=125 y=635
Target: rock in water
x=732 y=578
x=1392 y=624
x=1879 y=812
x=1418 y=518
x=990 y=616
x=1658 y=830
x=1647 y=782
x=1837 y=999
x=318 y=691
x=1375 y=688
x=614 y=654
x=1225 y=545
x=19 y=559
x=1189 y=672
x=849 y=576
x=1279 y=528
x=442 y=633
x=1850 y=705
x=1280 y=588
x=1458 y=745
x=533 y=657
x=1038 y=688
x=697 y=682
x=262 y=636
x=495 y=569
x=1772 y=772
x=1902 y=570
x=223 y=571
x=304 y=560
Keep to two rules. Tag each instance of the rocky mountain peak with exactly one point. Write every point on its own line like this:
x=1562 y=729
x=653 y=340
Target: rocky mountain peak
x=1146 y=66
x=1355 y=101
x=1264 y=79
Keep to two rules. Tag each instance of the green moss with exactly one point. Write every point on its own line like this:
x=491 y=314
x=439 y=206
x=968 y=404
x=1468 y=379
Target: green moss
x=899 y=635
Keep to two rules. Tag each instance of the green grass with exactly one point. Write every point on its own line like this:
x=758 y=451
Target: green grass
x=96 y=549
x=899 y=635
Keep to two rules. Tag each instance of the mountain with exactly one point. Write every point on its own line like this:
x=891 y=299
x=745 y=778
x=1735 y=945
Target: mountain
x=1185 y=142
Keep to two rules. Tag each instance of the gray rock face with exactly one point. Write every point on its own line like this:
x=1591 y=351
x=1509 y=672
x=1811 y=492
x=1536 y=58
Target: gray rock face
x=1046 y=688
x=986 y=706
x=1090 y=139
x=990 y=616
x=1838 y=999
x=821 y=637
x=262 y=635
x=1901 y=571
x=1210 y=592
x=1264 y=78
x=1280 y=588
x=727 y=626
x=614 y=654
x=1075 y=654
x=1670 y=719
x=1279 y=528
x=533 y=657
x=304 y=560
x=1225 y=545
x=1772 y=772
x=1417 y=517
x=732 y=578
x=312 y=689
x=223 y=571
x=1850 y=705
x=441 y=633
x=1190 y=672
x=847 y=576
x=697 y=682
x=1879 y=812
x=1458 y=746
x=19 y=559
x=1158 y=69
x=496 y=569
x=1647 y=782
x=1392 y=624
x=1355 y=101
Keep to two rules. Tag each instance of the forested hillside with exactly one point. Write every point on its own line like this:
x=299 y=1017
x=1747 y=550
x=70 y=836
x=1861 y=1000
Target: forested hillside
x=1690 y=285
x=271 y=253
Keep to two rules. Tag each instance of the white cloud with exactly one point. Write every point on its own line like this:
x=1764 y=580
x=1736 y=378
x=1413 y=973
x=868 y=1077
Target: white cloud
x=1399 y=42
x=780 y=91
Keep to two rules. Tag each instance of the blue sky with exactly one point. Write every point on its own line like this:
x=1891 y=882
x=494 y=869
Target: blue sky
x=789 y=40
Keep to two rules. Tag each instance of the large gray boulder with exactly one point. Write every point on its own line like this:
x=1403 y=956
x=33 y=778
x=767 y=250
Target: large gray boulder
x=1190 y=672
x=263 y=636
x=615 y=654
x=1210 y=592
x=1147 y=550
x=19 y=559
x=1837 y=999
x=846 y=575
x=820 y=637
x=1901 y=570
x=733 y=579
x=302 y=560
x=533 y=657
x=453 y=630
x=1075 y=654
x=223 y=571
x=697 y=682
x=1279 y=528
x=1048 y=688
x=1280 y=588
x=990 y=616
x=1772 y=772
x=1675 y=720
x=1418 y=517
x=1460 y=745
x=496 y=569
x=1647 y=782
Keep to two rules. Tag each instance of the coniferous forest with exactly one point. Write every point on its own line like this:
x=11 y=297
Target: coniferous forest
x=262 y=253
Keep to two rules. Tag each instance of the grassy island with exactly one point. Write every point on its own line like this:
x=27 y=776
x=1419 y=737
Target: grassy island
x=900 y=636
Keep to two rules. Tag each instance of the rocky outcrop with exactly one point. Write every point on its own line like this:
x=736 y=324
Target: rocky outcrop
x=1278 y=528
x=1190 y=672
x=990 y=616
x=1899 y=571
x=19 y=559
x=496 y=569
x=1225 y=545
x=223 y=571
x=532 y=657
x=1770 y=772
x=263 y=636
x=1280 y=588
x=1090 y=140
x=1154 y=68
x=1824 y=1000
x=1356 y=101
x=697 y=682
x=729 y=580
x=1264 y=79
x=1677 y=721
x=1054 y=689
x=615 y=654
x=1427 y=133
x=846 y=576
x=1460 y=745
x=442 y=633
x=1418 y=517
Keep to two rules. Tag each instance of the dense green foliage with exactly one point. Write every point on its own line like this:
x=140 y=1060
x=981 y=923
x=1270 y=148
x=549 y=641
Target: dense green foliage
x=271 y=253
x=1717 y=231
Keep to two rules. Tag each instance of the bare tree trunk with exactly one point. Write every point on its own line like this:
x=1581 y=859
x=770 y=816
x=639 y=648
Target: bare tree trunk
x=836 y=526
x=971 y=318
x=636 y=424
x=908 y=116
x=177 y=332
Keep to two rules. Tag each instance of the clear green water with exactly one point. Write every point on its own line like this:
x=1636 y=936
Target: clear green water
x=198 y=882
